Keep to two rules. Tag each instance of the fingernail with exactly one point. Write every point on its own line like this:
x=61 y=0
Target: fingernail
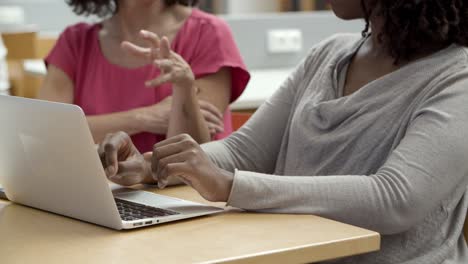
x=144 y=32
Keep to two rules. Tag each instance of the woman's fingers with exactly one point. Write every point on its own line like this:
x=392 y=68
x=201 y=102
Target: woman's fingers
x=137 y=51
x=173 y=170
x=148 y=54
x=161 y=45
x=214 y=129
x=211 y=118
x=108 y=151
x=130 y=173
x=161 y=153
x=152 y=38
x=169 y=150
x=170 y=147
x=165 y=48
x=160 y=48
x=162 y=79
x=214 y=124
x=165 y=65
x=161 y=164
x=179 y=145
x=211 y=108
x=171 y=140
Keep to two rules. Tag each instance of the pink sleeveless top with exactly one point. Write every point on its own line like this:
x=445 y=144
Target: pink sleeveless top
x=204 y=41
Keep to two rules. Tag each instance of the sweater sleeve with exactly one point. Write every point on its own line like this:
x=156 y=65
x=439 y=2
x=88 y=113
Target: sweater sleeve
x=256 y=145
x=427 y=166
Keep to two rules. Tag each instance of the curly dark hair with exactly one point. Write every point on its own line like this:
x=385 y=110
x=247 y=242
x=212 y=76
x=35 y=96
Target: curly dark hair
x=409 y=25
x=104 y=8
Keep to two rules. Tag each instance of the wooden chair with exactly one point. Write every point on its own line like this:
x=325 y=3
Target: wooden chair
x=239 y=119
x=44 y=45
x=465 y=229
x=23 y=45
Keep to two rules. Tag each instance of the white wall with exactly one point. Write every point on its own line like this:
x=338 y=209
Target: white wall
x=250 y=29
x=48 y=15
x=54 y=15
x=252 y=6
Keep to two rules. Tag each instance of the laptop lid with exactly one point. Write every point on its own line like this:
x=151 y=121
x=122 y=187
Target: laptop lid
x=48 y=161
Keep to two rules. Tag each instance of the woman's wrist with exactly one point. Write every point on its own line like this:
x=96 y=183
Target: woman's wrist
x=149 y=119
x=185 y=89
x=138 y=119
x=225 y=181
x=148 y=175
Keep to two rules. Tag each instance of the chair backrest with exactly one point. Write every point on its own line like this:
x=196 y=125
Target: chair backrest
x=21 y=45
x=45 y=45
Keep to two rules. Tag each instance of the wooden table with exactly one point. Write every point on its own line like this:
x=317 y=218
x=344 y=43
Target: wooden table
x=31 y=236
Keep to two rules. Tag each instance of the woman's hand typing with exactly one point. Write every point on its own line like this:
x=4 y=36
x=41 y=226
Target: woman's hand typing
x=122 y=162
x=179 y=157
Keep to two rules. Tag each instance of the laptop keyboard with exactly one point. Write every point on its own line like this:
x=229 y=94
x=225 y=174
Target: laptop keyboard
x=130 y=211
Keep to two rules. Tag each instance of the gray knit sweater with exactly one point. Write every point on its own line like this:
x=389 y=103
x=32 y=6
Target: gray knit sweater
x=391 y=157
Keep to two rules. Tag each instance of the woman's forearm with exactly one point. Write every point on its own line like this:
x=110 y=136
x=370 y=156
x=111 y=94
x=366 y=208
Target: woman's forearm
x=131 y=122
x=101 y=125
x=186 y=116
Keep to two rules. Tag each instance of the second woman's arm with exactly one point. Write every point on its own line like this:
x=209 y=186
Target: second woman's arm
x=186 y=115
x=58 y=87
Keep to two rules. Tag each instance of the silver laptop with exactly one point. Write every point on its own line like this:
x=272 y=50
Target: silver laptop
x=48 y=161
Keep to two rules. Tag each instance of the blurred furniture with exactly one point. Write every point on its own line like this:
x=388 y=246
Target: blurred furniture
x=213 y=6
x=262 y=85
x=239 y=119
x=23 y=47
x=230 y=237
x=35 y=67
x=302 y=5
x=44 y=44
x=465 y=229
x=20 y=44
x=4 y=77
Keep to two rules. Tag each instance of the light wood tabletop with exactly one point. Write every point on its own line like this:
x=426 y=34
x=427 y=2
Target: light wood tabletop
x=31 y=236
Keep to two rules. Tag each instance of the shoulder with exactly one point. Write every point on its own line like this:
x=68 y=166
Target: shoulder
x=335 y=46
x=207 y=34
x=447 y=74
x=341 y=42
x=445 y=68
x=79 y=31
x=210 y=23
x=459 y=54
x=74 y=43
x=77 y=39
